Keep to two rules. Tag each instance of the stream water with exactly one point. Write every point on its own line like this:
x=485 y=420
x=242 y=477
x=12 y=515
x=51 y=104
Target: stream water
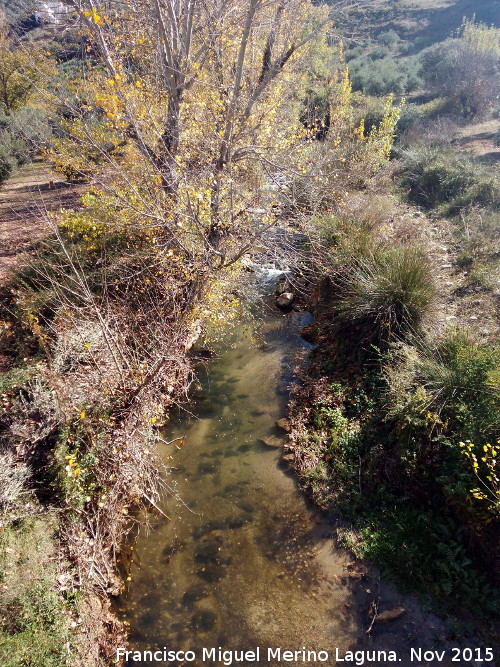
x=244 y=561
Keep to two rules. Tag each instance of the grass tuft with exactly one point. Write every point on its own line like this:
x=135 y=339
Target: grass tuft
x=387 y=296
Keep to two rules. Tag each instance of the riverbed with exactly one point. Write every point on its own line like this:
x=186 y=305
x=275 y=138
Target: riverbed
x=243 y=560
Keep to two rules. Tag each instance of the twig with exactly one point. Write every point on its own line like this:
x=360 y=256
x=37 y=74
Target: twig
x=156 y=506
x=374 y=606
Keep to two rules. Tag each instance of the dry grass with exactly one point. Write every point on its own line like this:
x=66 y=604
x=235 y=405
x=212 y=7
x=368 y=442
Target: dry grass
x=386 y=297
x=14 y=494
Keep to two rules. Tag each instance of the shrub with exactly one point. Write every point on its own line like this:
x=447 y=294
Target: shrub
x=316 y=113
x=465 y=69
x=441 y=398
x=427 y=129
x=434 y=175
x=477 y=231
x=379 y=52
x=418 y=545
x=353 y=53
x=463 y=379
x=452 y=380
x=411 y=115
x=406 y=47
x=385 y=297
x=8 y=162
x=384 y=75
x=30 y=126
x=21 y=135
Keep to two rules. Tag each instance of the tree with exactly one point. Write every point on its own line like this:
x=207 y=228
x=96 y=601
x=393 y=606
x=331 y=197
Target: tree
x=186 y=119
x=388 y=37
x=201 y=93
x=20 y=73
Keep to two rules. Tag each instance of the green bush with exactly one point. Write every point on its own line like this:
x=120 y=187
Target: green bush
x=384 y=74
x=465 y=71
x=379 y=52
x=354 y=52
x=385 y=297
x=436 y=175
x=388 y=37
x=8 y=162
x=31 y=128
x=411 y=115
x=425 y=549
x=408 y=498
x=455 y=378
x=22 y=134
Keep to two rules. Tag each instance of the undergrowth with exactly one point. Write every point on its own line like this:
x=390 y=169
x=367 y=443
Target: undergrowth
x=442 y=177
x=384 y=452
x=36 y=617
x=395 y=429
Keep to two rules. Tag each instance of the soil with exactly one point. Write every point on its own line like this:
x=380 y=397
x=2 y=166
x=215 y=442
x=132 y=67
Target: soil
x=25 y=200
x=479 y=139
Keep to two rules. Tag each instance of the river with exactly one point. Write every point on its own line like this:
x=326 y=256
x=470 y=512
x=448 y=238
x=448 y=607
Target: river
x=243 y=560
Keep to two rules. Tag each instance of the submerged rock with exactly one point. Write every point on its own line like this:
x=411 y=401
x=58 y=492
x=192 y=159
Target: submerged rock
x=238 y=520
x=212 y=572
x=207 y=468
x=271 y=441
x=283 y=286
x=284 y=425
x=203 y=620
x=208 y=527
x=230 y=452
x=257 y=413
x=174 y=546
x=194 y=593
x=246 y=506
x=390 y=615
x=285 y=300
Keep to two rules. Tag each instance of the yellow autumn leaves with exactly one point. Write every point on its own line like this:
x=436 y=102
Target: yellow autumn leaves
x=72 y=468
x=94 y=16
x=487 y=473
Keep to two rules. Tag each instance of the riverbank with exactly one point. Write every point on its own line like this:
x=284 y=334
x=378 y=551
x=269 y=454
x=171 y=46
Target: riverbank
x=83 y=395
x=377 y=420
x=77 y=463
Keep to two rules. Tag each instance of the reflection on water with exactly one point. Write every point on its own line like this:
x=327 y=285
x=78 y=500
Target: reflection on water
x=239 y=564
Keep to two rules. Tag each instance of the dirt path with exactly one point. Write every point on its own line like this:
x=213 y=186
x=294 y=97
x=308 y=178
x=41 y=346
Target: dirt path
x=479 y=139
x=24 y=200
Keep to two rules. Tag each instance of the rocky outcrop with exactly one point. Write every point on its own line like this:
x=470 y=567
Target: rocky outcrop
x=272 y=441
x=283 y=424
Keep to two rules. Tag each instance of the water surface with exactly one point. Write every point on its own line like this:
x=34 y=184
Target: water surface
x=244 y=561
